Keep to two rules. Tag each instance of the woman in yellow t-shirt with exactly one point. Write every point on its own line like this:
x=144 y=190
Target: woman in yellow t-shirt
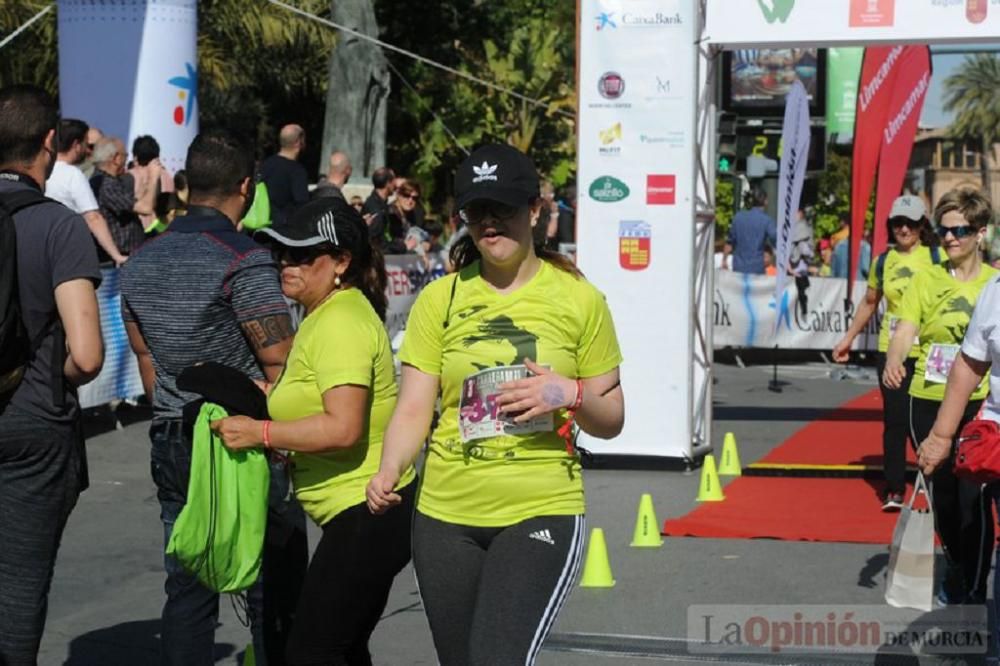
x=890 y=276
x=519 y=345
x=938 y=307
x=330 y=408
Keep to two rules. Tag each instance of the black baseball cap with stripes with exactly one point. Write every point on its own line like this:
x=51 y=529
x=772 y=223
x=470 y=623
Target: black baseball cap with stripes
x=314 y=223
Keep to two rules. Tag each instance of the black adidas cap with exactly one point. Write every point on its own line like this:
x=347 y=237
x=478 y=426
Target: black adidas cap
x=496 y=172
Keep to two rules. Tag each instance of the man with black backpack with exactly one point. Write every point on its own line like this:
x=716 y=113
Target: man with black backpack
x=50 y=343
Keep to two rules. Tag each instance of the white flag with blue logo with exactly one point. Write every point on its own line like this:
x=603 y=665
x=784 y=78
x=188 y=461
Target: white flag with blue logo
x=791 y=175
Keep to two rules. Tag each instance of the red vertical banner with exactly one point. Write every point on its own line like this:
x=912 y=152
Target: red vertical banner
x=913 y=76
x=878 y=72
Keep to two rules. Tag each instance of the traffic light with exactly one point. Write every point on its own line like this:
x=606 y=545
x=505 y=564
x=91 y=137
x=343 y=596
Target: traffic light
x=727 y=141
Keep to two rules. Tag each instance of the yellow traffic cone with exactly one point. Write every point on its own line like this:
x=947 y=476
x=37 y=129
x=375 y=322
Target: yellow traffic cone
x=647 y=528
x=710 y=490
x=249 y=656
x=729 y=465
x=597 y=568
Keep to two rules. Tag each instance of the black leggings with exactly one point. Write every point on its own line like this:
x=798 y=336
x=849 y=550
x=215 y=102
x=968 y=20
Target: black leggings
x=895 y=427
x=348 y=583
x=492 y=594
x=962 y=514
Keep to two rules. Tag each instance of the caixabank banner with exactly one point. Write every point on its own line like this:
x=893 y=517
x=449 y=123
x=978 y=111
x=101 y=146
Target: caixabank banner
x=635 y=213
x=130 y=67
x=747 y=313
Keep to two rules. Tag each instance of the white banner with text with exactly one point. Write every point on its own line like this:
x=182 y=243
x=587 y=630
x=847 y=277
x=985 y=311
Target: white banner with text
x=812 y=317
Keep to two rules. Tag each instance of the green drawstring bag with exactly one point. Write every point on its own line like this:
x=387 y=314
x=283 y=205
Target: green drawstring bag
x=259 y=215
x=219 y=534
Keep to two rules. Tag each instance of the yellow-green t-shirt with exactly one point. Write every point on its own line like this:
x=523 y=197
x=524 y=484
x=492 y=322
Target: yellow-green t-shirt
x=897 y=272
x=341 y=342
x=558 y=321
x=941 y=307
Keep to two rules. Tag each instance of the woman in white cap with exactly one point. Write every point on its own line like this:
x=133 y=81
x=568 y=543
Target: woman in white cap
x=913 y=251
x=938 y=308
x=330 y=407
x=520 y=346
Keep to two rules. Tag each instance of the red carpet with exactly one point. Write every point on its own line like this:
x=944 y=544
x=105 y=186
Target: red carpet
x=807 y=509
x=792 y=509
x=850 y=434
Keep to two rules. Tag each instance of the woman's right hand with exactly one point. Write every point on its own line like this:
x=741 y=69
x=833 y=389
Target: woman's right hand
x=894 y=375
x=380 y=494
x=842 y=350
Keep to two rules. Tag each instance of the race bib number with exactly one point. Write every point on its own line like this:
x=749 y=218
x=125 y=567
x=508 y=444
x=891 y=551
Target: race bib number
x=939 y=362
x=479 y=412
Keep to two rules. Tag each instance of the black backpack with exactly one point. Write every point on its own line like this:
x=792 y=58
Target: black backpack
x=15 y=345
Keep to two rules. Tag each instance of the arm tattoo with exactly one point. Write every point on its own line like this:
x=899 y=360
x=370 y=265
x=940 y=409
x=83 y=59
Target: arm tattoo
x=553 y=395
x=267 y=331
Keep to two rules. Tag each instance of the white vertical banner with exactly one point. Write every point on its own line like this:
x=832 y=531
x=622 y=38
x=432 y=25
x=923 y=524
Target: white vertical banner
x=130 y=68
x=635 y=214
x=791 y=176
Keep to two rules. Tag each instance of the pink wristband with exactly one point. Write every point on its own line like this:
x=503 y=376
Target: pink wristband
x=267 y=434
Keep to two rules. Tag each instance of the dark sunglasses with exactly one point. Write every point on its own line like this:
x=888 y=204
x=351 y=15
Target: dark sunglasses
x=477 y=211
x=412 y=195
x=961 y=232
x=298 y=256
x=900 y=222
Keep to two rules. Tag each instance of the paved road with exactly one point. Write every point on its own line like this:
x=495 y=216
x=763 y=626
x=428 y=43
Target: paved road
x=107 y=591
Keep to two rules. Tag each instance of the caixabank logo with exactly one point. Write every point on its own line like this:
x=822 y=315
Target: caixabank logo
x=605 y=21
x=187 y=94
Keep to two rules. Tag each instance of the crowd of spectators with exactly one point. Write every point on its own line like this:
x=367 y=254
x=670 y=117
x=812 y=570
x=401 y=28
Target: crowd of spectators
x=127 y=197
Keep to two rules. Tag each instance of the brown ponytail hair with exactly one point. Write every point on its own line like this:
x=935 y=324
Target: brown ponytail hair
x=372 y=280
x=465 y=252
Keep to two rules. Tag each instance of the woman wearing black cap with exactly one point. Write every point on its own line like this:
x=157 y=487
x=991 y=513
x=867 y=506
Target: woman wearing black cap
x=520 y=346
x=330 y=407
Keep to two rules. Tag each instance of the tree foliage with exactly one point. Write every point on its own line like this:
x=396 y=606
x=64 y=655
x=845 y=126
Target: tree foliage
x=262 y=67
x=971 y=94
x=833 y=201
x=525 y=46
x=32 y=57
x=725 y=205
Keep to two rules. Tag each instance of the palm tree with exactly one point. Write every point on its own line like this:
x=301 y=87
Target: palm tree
x=971 y=94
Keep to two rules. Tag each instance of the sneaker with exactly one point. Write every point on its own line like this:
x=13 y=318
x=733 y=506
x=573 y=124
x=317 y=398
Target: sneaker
x=952 y=590
x=893 y=502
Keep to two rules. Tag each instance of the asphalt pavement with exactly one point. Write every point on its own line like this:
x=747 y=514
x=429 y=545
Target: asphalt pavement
x=108 y=588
